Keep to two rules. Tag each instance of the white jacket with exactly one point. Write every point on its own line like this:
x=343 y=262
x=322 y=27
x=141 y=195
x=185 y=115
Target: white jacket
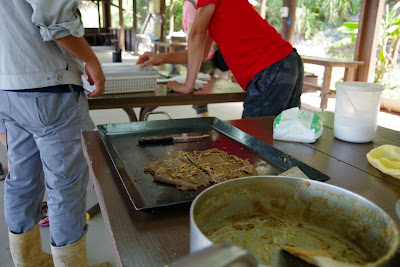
x=29 y=56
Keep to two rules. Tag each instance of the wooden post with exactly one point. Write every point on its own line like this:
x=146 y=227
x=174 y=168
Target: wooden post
x=105 y=4
x=288 y=30
x=163 y=20
x=134 y=17
x=98 y=12
x=171 y=17
x=121 y=24
x=368 y=29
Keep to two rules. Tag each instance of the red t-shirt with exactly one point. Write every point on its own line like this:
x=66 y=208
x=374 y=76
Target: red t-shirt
x=247 y=42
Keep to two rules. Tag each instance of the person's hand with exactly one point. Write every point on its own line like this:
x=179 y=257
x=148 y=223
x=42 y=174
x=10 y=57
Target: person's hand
x=80 y=49
x=149 y=58
x=179 y=87
x=96 y=77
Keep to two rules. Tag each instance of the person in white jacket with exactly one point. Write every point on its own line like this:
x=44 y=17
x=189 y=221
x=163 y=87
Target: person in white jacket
x=44 y=110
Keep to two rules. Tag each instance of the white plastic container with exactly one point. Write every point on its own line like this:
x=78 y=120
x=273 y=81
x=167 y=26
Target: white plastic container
x=356 y=112
x=125 y=78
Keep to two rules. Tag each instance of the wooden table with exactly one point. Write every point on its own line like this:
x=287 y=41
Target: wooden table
x=158 y=238
x=169 y=46
x=329 y=64
x=216 y=91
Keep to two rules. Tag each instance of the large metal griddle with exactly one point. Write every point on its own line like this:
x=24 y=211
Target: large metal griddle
x=121 y=142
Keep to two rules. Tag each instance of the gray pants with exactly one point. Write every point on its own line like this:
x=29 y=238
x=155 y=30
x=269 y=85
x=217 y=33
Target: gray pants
x=44 y=137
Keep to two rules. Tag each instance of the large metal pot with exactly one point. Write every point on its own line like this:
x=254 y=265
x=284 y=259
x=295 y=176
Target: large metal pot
x=264 y=213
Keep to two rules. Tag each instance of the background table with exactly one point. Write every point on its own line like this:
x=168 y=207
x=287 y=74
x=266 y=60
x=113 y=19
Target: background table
x=216 y=91
x=329 y=64
x=160 y=237
x=168 y=46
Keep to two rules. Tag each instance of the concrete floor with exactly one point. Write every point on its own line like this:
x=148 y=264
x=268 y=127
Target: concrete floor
x=98 y=245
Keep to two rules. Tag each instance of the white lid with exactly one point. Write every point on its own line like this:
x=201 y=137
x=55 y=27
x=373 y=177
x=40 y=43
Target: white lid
x=360 y=86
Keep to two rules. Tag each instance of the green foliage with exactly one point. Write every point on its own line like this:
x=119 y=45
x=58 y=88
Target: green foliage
x=142 y=8
x=388 y=42
x=313 y=16
x=307 y=22
x=177 y=14
x=334 y=11
x=350 y=30
x=272 y=14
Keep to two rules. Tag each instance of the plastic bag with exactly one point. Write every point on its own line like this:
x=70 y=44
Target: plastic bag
x=297 y=126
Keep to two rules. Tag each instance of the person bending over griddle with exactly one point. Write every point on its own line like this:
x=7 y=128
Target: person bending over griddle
x=263 y=63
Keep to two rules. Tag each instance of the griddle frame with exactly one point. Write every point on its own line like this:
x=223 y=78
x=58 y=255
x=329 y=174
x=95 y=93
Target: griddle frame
x=270 y=154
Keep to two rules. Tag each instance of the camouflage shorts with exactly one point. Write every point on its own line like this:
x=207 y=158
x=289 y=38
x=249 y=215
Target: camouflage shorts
x=276 y=88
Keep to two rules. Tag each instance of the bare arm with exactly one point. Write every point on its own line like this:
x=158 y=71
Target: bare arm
x=199 y=44
x=80 y=49
x=149 y=58
x=208 y=45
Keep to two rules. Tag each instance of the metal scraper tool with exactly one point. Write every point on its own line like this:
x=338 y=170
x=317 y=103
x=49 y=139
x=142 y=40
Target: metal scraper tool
x=168 y=139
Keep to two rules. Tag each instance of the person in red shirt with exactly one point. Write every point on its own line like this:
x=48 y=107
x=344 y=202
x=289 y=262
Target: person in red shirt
x=263 y=63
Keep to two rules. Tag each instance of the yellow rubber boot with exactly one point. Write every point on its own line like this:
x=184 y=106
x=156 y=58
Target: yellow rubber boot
x=26 y=249
x=73 y=255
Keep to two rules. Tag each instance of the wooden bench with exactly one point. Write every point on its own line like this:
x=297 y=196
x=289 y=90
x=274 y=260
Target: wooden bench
x=329 y=64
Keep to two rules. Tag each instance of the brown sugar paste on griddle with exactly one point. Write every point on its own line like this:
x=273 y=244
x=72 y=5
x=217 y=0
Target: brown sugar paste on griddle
x=221 y=166
x=175 y=168
x=188 y=171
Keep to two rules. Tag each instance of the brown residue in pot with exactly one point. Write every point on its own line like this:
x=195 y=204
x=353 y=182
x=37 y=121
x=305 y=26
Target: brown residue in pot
x=243 y=226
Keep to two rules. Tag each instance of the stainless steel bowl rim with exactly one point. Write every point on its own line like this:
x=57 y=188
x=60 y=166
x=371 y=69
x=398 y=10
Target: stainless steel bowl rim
x=384 y=258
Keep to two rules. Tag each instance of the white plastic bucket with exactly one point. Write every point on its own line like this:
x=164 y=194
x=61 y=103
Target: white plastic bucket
x=356 y=112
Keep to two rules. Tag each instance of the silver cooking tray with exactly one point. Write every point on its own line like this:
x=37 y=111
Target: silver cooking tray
x=121 y=141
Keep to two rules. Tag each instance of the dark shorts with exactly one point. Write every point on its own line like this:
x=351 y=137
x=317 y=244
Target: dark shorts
x=200 y=108
x=276 y=88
